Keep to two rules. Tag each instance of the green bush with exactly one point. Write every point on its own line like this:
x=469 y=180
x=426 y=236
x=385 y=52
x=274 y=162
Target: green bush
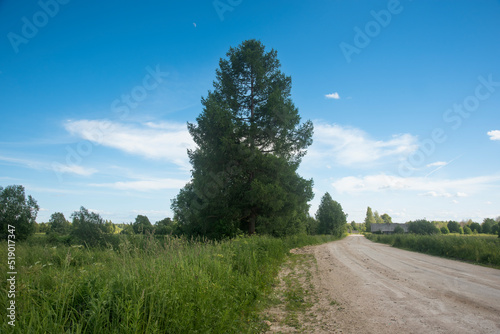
x=422 y=227
x=398 y=230
x=445 y=230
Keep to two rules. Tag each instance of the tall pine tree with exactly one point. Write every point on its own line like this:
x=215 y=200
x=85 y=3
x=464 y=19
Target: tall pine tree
x=249 y=145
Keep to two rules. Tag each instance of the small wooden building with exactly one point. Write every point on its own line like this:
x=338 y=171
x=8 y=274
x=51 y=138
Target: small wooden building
x=387 y=228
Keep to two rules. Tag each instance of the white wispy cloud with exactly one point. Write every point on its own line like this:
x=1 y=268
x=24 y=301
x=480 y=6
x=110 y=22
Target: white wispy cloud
x=73 y=169
x=494 y=134
x=334 y=96
x=350 y=146
x=166 y=141
x=33 y=164
x=437 y=164
x=144 y=185
x=424 y=186
x=54 y=166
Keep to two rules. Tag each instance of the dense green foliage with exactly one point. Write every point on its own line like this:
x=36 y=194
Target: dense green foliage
x=249 y=146
x=445 y=230
x=146 y=285
x=59 y=224
x=386 y=218
x=88 y=228
x=487 y=225
x=467 y=230
x=378 y=219
x=479 y=249
x=18 y=211
x=330 y=216
x=142 y=225
x=454 y=227
x=398 y=229
x=165 y=227
x=423 y=227
x=369 y=219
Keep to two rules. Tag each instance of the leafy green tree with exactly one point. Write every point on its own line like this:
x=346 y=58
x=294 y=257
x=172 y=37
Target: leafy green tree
x=369 y=219
x=445 y=230
x=399 y=230
x=42 y=228
x=386 y=218
x=487 y=225
x=165 y=226
x=311 y=225
x=109 y=227
x=467 y=230
x=59 y=224
x=18 y=211
x=422 y=226
x=127 y=229
x=330 y=216
x=475 y=227
x=495 y=228
x=88 y=227
x=378 y=219
x=142 y=225
x=249 y=146
x=453 y=226
x=353 y=225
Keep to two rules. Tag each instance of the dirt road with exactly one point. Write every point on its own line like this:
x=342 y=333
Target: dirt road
x=366 y=287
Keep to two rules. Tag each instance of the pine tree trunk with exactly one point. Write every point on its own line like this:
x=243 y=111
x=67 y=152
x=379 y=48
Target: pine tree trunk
x=251 y=223
x=253 y=214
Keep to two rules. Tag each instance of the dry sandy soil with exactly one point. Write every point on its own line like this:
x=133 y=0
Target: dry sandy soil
x=366 y=287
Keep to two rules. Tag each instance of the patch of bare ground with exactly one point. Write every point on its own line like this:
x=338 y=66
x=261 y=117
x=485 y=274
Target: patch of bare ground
x=299 y=306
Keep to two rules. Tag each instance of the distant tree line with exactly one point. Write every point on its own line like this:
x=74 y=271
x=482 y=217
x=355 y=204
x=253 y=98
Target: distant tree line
x=89 y=228
x=423 y=226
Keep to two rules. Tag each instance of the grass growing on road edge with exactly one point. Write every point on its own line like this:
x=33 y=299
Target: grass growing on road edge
x=477 y=249
x=291 y=301
x=293 y=304
x=167 y=285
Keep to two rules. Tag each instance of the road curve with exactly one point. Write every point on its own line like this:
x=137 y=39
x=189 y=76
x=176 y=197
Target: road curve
x=382 y=289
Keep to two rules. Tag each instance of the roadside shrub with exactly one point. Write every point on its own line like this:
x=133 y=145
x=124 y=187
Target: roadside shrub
x=56 y=238
x=422 y=227
x=398 y=230
x=445 y=230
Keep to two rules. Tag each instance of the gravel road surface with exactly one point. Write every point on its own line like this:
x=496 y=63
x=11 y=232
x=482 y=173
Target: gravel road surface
x=367 y=287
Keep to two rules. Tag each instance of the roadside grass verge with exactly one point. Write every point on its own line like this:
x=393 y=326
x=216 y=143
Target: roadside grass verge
x=147 y=285
x=291 y=302
x=483 y=250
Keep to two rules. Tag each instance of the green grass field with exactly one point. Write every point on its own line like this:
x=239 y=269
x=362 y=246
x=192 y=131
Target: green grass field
x=482 y=249
x=146 y=285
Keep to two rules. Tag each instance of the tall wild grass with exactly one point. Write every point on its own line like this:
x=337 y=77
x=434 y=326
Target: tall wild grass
x=478 y=249
x=145 y=285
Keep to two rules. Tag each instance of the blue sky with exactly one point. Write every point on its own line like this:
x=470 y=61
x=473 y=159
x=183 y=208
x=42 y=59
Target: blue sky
x=404 y=96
